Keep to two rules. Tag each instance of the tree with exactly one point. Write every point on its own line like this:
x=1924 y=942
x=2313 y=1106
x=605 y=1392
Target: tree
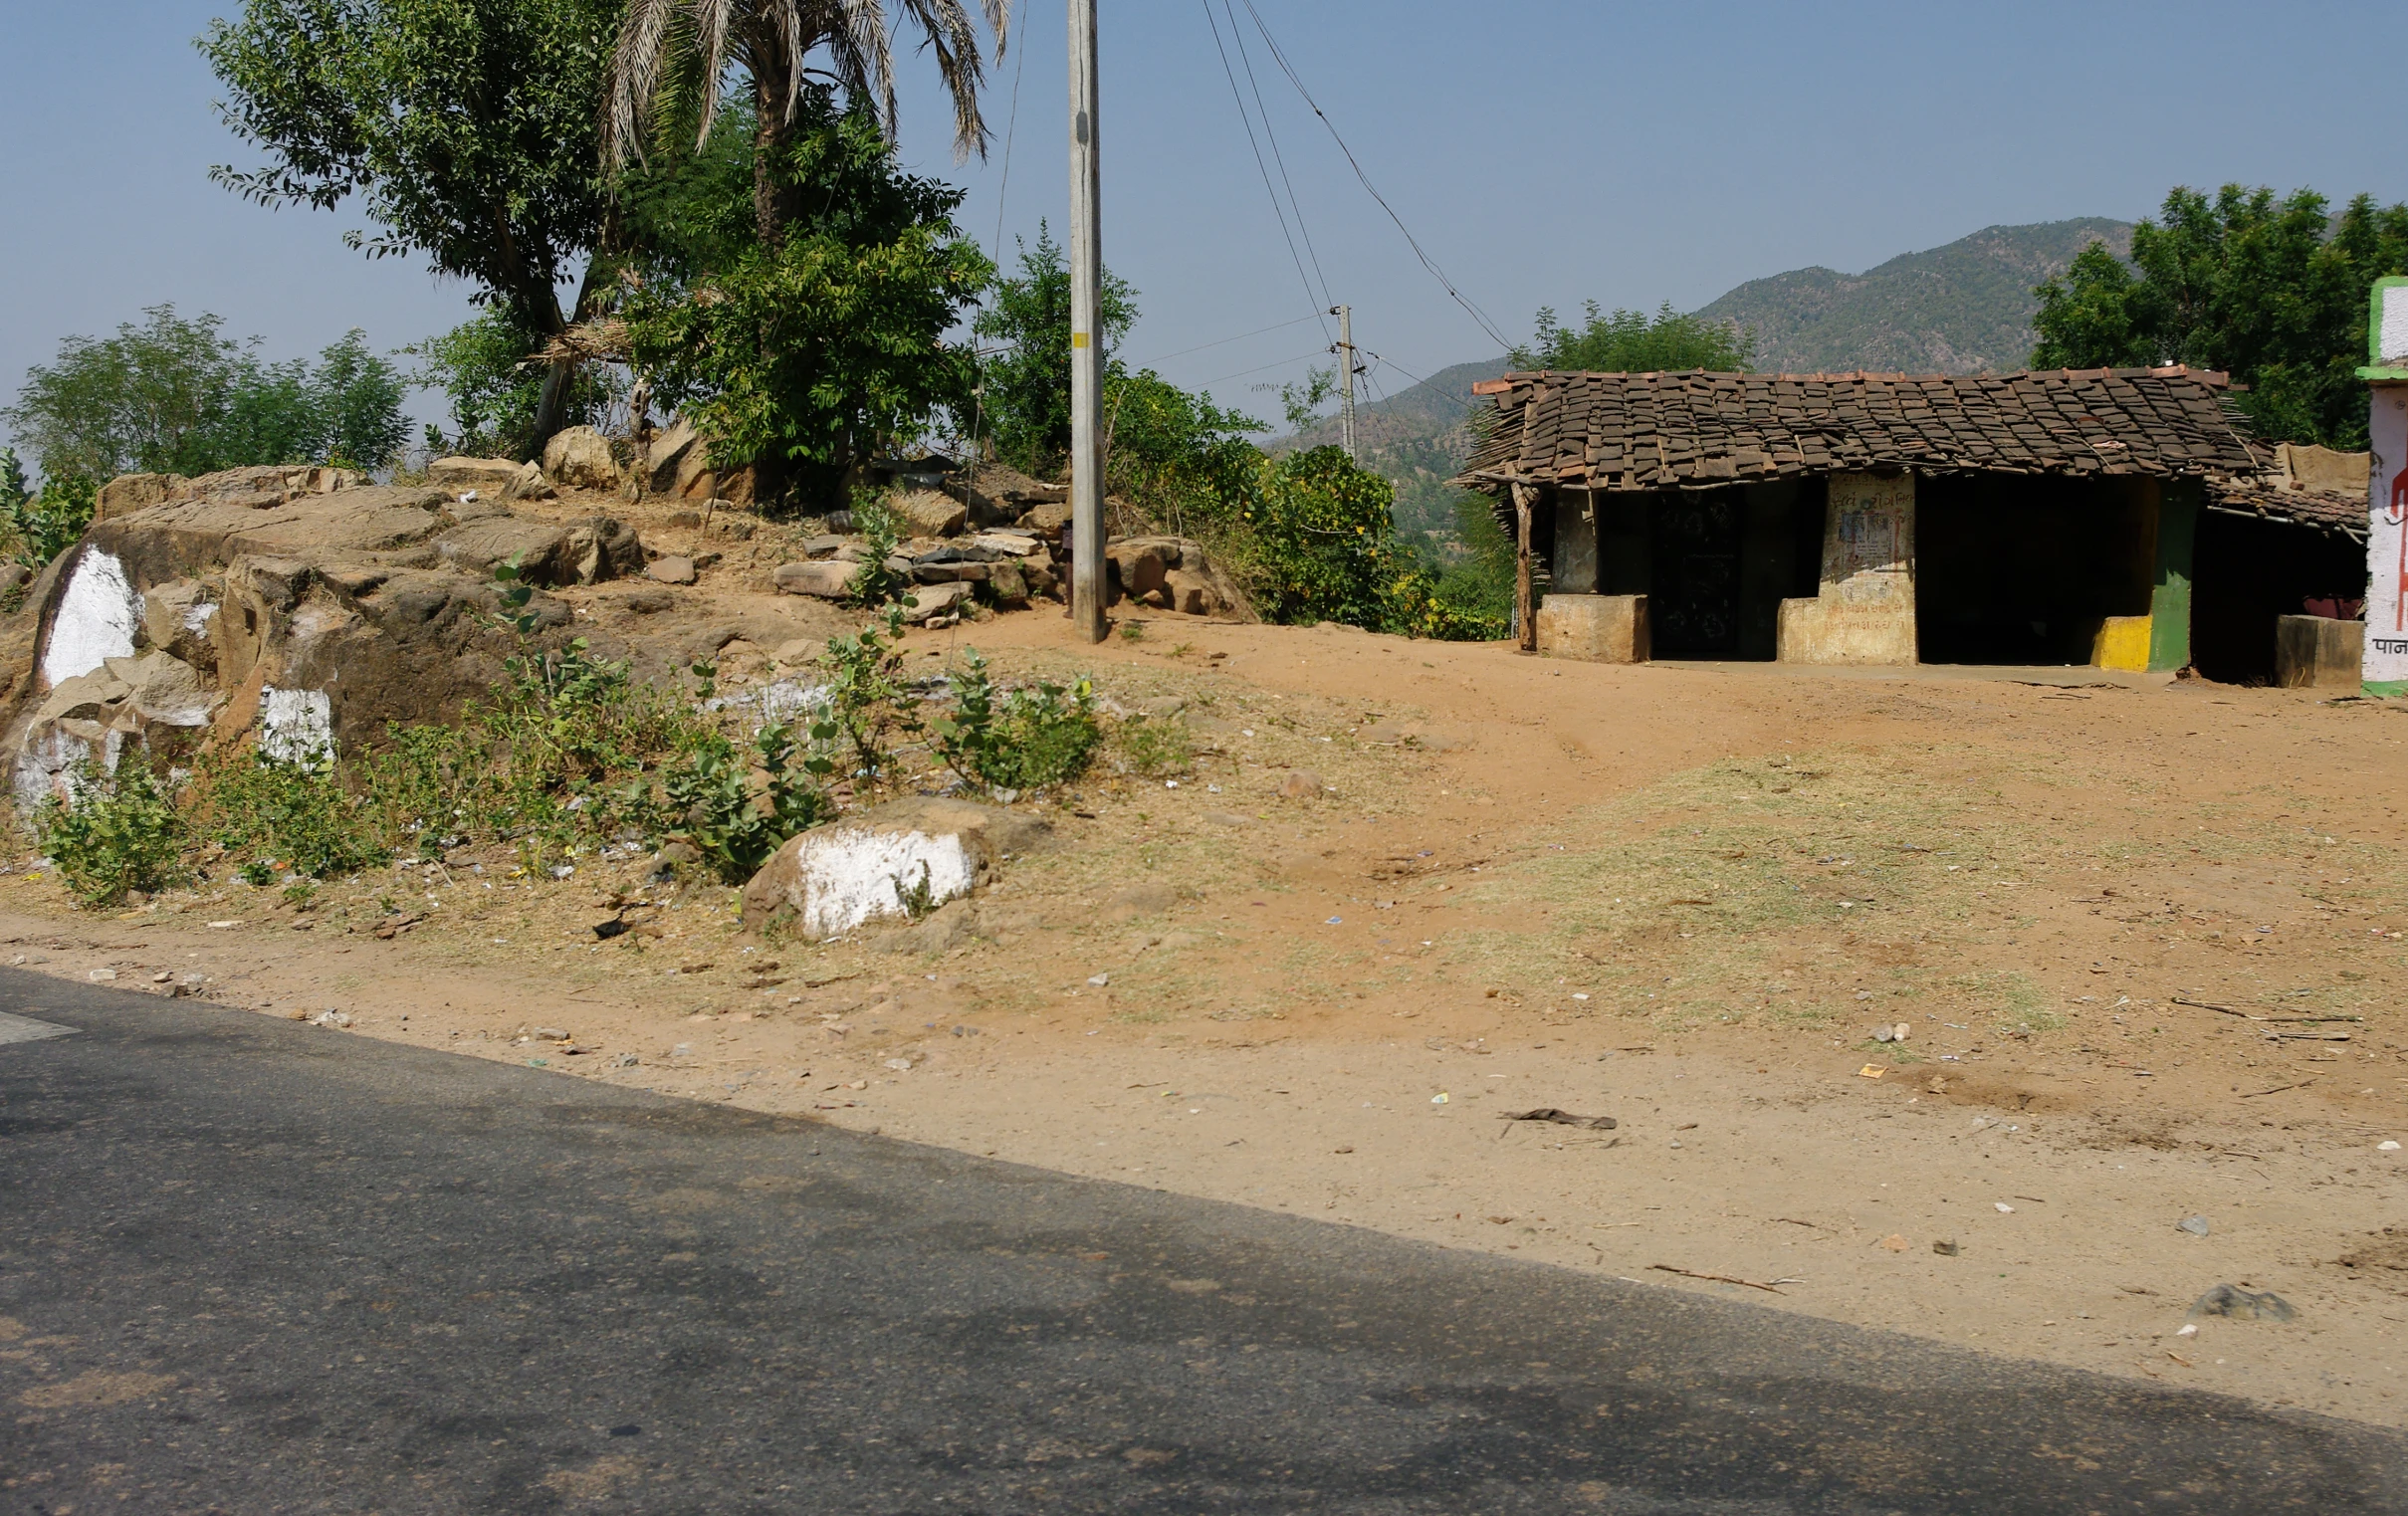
x=496 y=394
x=174 y=395
x=2272 y=292
x=809 y=353
x=467 y=127
x=1627 y=341
x=1025 y=387
x=673 y=57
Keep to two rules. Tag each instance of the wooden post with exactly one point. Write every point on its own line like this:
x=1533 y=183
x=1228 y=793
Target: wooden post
x=1525 y=618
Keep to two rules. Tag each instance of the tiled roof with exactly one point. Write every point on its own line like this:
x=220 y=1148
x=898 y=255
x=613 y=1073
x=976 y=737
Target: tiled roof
x=2332 y=514
x=1696 y=430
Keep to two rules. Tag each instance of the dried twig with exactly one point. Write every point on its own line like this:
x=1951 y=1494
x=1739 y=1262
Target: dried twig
x=1690 y=1273
x=2280 y=1088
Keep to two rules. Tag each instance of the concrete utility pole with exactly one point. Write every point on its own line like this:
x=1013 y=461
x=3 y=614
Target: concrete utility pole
x=1086 y=337
x=1346 y=369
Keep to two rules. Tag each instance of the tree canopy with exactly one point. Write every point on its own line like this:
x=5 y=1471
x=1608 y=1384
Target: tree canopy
x=1026 y=400
x=176 y=395
x=2272 y=292
x=1629 y=341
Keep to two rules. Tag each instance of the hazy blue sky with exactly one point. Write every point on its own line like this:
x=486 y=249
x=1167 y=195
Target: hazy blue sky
x=1543 y=154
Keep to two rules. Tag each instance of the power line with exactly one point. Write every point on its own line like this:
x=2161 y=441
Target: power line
x=1301 y=357
x=1473 y=310
x=1223 y=342
x=1271 y=135
x=1248 y=122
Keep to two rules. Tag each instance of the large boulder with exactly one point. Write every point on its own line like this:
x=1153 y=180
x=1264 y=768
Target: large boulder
x=583 y=552
x=579 y=458
x=489 y=478
x=678 y=464
x=925 y=513
x=131 y=492
x=879 y=863
x=90 y=718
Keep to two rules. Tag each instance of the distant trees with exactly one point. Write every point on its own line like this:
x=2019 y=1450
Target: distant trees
x=175 y=395
x=2273 y=291
x=1629 y=341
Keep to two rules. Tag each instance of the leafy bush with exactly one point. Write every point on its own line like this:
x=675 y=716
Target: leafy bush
x=172 y=395
x=867 y=698
x=42 y=526
x=714 y=801
x=1024 y=399
x=874 y=583
x=1321 y=527
x=1023 y=739
x=113 y=832
x=290 y=815
x=480 y=368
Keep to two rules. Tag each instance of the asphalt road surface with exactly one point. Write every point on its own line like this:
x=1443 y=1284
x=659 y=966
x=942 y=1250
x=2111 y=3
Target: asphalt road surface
x=253 y=1266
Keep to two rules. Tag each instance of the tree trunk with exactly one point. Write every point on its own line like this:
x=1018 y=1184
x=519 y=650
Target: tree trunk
x=1525 y=623
x=551 y=406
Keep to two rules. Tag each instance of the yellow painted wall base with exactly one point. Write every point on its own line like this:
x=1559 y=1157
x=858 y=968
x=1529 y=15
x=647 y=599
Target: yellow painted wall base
x=2122 y=643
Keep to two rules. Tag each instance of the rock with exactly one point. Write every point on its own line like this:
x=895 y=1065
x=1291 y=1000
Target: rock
x=2242 y=1305
x=824 y=545
x=1191 y=595
x=678 y=464
x=579 y=457
x=829 y=580
x=491 y=478
x=1008 y=585
x=1048 y=518
x=937 y=600
x=674 y=857
x=1018 y=545
x=671 y=571
x=1041 y=578
x=837 y=876
x=1143 y=564
x=947 y=928
x=1946 y=1247
x=131 y=492
x=2195 y=1225
x=481 y=546
x=13 y=577
x=2387 y=1146
x=1140 y=900
x=176 y=618
x=927 y=513
x=1299 y=784
x=950 y=573
x=601 y=547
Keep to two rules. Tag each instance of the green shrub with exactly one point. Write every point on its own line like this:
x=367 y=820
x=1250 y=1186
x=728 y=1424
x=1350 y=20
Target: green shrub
x=713 y=799
x=1023 y=738
x=48 y=524
x=113 y=832
x=873 y=583
x=290 y=815
x=867 y=697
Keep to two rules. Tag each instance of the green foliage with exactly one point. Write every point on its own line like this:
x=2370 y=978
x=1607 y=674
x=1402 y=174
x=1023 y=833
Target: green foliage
x=482 y=368
x=828 y=346
x=1302 y=402
x=867 y=696
x=1015 y=740
x=1321 y=527
x=113 y=832
x=290 y=815
x=465 y=129
x=46 y=525
x=1629 y=341
x=2272 y=292
x=175 y=396
x=1176 y=457
x=874 y=583
x=1025 y=387
x=737 y=808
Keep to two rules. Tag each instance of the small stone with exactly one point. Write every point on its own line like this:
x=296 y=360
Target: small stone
x=678 y=571
x=1099 y=980
x=161 y=978
x=2003 y=1209
x=1882 y=1034
x=900 y=1065
x=1899 y=1032
x=2195 y=1225
x=1946 y=1247
x=549 y=1034
x=1299 y=784
x=2242 y=1305
x=628 y=1060
x=2386 y=1146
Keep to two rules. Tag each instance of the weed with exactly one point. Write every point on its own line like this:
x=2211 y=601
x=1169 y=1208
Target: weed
x=918 y=897
x=867 y=697
x=1154 y=748
x=1015 y=740
x=292 y=809
x=299 y=893
x=1133 y=631
x=112 y=832
x=874 y=583
x=738 y=814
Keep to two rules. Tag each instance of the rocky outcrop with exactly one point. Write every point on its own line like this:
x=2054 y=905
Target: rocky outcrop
x=255 y=601
x=579 y=458
x=884 y=862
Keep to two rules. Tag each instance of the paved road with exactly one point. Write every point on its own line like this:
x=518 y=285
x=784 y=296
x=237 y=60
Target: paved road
x=252 y=1266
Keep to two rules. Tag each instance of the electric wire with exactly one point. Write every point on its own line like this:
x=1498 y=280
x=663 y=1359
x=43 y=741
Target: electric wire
x=978 y=355
x=1302 y=357
x=1271 y=136
x=1248 y=121
x=1223 y=342
x=1429 y=263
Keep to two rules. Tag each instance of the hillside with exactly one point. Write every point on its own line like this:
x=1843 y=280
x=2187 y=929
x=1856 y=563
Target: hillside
x=1965 y=308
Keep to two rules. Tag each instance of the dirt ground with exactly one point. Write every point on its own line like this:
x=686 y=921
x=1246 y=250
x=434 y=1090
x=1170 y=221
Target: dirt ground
x=2146 y=940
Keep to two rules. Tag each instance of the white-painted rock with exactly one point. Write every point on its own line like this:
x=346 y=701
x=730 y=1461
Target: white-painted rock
x=836 y=877
x=95 y=620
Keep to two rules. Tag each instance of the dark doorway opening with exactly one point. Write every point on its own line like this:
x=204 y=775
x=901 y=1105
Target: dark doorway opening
x=2249 y=571
x=1693 y=604
x=2017 y=570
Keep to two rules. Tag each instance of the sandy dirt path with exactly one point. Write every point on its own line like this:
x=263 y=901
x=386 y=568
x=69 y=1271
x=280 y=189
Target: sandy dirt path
x=1679 y=897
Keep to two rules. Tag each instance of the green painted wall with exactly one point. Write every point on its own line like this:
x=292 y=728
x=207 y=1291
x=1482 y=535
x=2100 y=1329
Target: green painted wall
x=2170 y=584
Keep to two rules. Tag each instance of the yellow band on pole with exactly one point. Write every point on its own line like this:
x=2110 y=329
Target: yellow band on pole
x=1078 y=338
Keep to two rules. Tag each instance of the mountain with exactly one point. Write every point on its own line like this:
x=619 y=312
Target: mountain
x=1965 y=308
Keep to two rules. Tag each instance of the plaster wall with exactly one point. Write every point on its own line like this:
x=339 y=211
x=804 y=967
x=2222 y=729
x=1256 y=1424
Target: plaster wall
x=2386 y=663
x=1593 y=628
x=1863 y=611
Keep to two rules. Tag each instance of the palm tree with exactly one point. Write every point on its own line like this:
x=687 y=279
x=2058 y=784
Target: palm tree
x=673 y=55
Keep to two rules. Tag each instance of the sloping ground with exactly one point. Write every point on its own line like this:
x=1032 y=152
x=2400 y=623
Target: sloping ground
x=1682 y=897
